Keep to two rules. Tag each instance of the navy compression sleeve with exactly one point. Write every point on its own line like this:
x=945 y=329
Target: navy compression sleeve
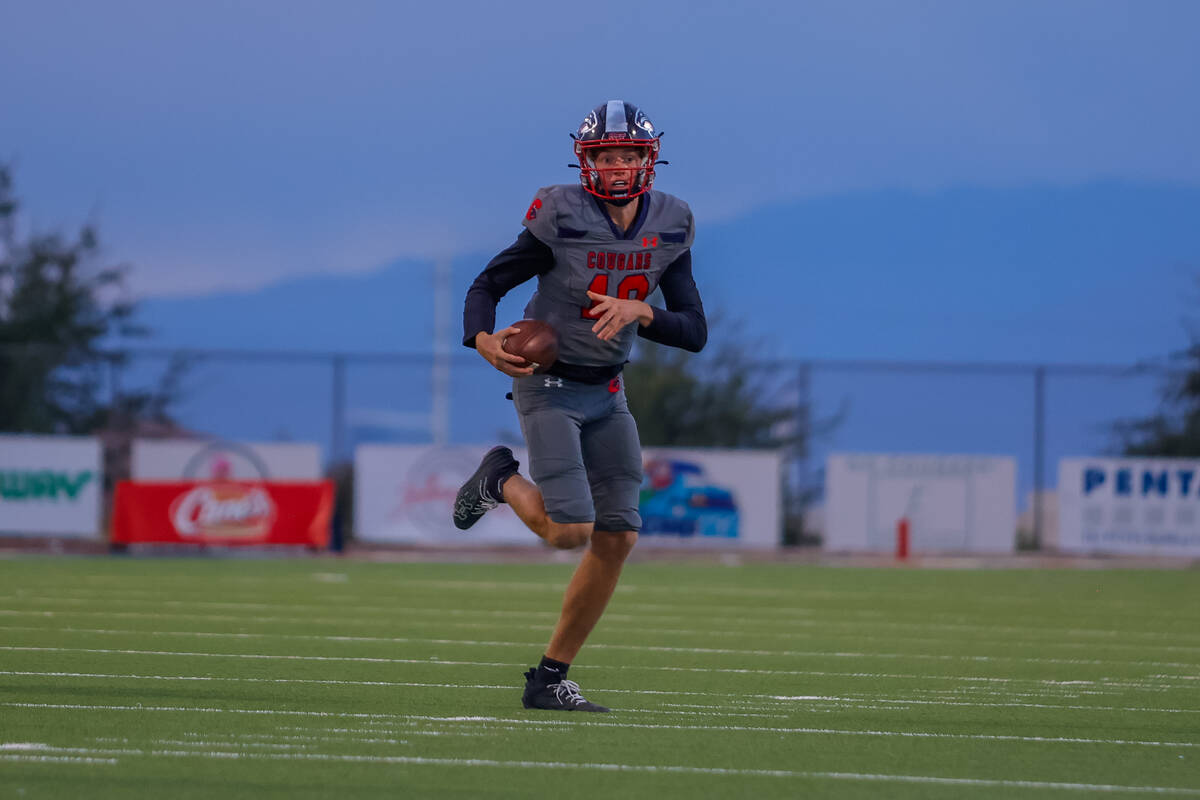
x=525 y=258
x=682 y=323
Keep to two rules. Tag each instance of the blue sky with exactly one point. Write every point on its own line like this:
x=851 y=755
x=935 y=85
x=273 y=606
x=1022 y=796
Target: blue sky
x=228 y=145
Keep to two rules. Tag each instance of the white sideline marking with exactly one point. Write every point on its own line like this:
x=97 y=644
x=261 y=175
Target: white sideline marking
x=332 y=682
x=389 y=611
x=196 y=738
x=56 y=759
x=319 y=637
x=342 y=623
x=631 y=587
x=264 y=656
x=333 y=621
x=737 y=622
x=517 y=723
x=265 y=745
x=652 y=768
x=649 y=648
x=38 y=751
x=329 y=681
x=719 y=670
x=520 y=665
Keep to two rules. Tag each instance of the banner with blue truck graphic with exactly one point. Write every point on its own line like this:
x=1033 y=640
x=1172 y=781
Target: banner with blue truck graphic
x=689 y=497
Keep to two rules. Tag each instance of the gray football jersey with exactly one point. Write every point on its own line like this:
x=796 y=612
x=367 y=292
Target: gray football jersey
x=588 y=257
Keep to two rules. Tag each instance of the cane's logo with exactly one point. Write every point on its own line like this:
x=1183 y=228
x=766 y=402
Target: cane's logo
x=531 y=214
x=223 y=511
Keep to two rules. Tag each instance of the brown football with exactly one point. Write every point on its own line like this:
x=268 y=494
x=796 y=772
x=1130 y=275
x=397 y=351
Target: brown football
x=536 y=342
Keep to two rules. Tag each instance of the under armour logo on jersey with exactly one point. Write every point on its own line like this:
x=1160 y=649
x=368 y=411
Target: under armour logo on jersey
x=649 y=241
x=555 y=382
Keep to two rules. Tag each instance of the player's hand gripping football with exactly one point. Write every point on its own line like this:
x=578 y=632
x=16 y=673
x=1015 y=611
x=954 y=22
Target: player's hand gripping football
x=491 y=347
x=613 y=314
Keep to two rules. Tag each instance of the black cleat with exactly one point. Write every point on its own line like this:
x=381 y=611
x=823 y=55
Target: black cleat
x=561 y=696
x=481 y=493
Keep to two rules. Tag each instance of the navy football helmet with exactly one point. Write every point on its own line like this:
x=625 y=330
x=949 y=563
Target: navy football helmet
x=616 y=124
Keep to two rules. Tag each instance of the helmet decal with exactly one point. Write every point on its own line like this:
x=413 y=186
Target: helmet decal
x=589 y=125
x=642 y=122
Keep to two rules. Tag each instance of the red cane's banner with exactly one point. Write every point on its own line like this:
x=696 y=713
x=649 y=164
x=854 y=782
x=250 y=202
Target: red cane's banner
x=223 y=513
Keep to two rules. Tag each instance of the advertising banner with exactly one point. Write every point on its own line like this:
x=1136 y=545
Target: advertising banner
x=225 y=513
x=712 y=497
x=1130 y=506
x=720 y=498
x=50 y=485
x=953 y=503
x=204 y=460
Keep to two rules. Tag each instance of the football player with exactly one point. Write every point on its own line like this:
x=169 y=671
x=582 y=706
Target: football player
x=598 y=249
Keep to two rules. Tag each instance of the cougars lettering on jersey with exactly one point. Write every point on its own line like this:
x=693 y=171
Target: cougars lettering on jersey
x=610 y=260
x=589 y=256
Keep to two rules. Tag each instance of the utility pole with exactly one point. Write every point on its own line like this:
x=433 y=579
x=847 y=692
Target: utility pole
x=439 y=415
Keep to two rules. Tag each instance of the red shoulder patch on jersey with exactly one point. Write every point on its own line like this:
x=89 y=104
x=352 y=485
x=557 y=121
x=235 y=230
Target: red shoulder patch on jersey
x=533 y=208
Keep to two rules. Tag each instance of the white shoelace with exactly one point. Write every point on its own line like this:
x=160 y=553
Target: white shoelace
x=567 y=692
x=486 y=503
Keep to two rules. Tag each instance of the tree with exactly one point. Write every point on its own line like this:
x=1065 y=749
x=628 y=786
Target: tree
x=715 y=400
x=58 y=304
x=1174 y=430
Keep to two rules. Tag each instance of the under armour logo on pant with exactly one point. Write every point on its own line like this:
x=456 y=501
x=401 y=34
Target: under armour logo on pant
x=557 y=382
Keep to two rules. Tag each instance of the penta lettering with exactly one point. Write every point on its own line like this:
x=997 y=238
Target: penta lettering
x=1128 y=481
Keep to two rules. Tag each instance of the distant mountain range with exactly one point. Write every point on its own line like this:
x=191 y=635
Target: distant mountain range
x=1100 y=272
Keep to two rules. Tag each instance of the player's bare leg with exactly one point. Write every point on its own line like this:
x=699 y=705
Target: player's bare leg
x=526 y=501
x=595 y=578
x=587 y=595
x=589 y=591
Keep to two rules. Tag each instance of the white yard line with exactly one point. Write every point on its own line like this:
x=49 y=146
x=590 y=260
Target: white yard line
x=735 y=622
x=601 y=646
x=1101 y=682
x=267 y=656
x=819 y=699
x=342 y=599
x=338 y=622
x=38 y=759
x=644 y=648
x=630 y=586
x=649 y=648
x=645 y=768
x=709 y=633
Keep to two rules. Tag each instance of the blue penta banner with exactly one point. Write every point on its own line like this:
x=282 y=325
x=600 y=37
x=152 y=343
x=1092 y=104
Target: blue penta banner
x=1129 y=505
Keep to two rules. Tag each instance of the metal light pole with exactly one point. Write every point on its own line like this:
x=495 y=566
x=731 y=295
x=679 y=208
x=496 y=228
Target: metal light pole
x=439 y=415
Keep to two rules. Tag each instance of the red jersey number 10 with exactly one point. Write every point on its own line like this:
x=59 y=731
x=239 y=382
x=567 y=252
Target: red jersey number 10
x=631 y=287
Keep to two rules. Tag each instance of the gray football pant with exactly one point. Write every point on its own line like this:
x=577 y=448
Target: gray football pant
x=584 y=452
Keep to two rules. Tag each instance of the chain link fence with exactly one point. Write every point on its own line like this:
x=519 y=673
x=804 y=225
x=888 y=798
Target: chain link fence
x=1036 y=413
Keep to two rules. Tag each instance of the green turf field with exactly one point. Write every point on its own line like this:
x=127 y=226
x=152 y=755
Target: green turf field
x=205 y=678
